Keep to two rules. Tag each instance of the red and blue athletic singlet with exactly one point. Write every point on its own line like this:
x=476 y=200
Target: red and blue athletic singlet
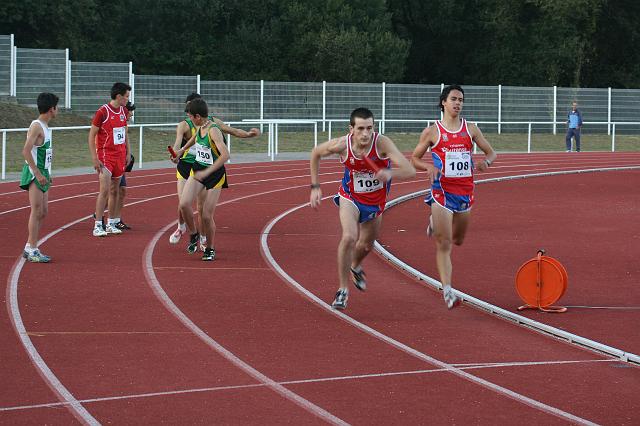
x=453 y=188
x=359 y=184
x=112 y=133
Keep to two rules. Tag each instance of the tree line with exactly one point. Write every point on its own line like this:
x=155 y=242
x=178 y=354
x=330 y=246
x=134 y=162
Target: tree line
x=577 y=43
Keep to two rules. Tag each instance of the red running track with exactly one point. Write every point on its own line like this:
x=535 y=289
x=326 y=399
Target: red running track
x=132 y=329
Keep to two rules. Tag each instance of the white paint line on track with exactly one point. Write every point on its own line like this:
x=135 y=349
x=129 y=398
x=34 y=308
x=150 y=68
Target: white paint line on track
x=301 y=381
x=399 y=345
x=147 y=265
x=539 y=327
x=16 y=319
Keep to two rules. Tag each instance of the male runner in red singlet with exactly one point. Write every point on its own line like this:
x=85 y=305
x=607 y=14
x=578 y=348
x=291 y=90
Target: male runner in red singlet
x=362 y=194
x=451 y=142
x=110 y=152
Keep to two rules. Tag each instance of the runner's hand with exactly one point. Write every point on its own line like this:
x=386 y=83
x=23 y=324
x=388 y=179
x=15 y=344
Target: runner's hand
x=254 y=132
x=315 y=197
x=97 y=165
x=42 y=180
x=384 y=175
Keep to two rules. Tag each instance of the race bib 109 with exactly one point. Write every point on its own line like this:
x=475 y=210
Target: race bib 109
x=365 y=182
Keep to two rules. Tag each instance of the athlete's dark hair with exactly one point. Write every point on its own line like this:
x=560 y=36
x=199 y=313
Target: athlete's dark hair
x=119 y=89
x=198 y=107
x=363 y=113
x=191 y=97
x=46 y=101
x=445 y=93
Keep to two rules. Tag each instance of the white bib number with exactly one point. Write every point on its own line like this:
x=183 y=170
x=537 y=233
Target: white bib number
x=457 y=164
x=203 y=154
x=119 y=135
x=365 y=182
x=48 y=158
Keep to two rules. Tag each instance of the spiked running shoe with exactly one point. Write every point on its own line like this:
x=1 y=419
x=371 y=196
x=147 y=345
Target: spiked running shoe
x=122 y=226
x=37 y=257
x=340 y=301
x=177 y=234
x=193 y=243
x=359 y=279
x=450 y=298
x=209 y=254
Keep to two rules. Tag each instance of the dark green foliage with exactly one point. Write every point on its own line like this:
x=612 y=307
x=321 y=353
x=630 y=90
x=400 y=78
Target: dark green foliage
x=525 y=42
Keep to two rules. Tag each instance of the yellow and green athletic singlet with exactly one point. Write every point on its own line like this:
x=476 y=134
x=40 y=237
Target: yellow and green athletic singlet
x=206 y=150
x=189 y=156
x=42 y=155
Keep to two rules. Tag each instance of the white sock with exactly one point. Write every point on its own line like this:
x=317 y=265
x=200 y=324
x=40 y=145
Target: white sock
x=98 y=223
x=29 y=249
x=182 y=227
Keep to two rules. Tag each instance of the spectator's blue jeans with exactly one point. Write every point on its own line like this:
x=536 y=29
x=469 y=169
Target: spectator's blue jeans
x=570 y=134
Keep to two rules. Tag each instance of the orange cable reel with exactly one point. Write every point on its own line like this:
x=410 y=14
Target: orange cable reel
x=541 y=282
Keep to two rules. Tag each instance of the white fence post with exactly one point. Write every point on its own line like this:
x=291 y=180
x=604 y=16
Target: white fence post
x=609 y=113
x=613 y=137
x=4 y=154
x=132 y=96
x=140 y=148
x=324 y=103
x=499 y=108
x=14 y=68
x=384 y=105
x=555 y=108
x=529 y=139
x=67 y=80
x=262 y=105
x=198 y=83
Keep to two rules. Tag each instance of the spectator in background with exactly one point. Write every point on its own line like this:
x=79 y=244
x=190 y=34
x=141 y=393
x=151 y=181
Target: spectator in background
x=120 y=195
x=36 y=172
x=110 y=152
x=574 y=121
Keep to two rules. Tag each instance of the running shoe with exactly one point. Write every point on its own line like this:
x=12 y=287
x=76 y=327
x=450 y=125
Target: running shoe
x=450 y=298
x=209 y=254
x=359 y=279
x=122 y=226
x=37 y=257
x=340 y=301
x=177 y=234
x=99 y=231
x=112 y=229
x=193 y=243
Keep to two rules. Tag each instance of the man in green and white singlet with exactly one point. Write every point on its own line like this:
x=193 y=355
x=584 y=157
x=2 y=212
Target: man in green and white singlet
x=36 y=172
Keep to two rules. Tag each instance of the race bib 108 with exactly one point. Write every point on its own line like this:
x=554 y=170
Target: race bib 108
x=457 y=164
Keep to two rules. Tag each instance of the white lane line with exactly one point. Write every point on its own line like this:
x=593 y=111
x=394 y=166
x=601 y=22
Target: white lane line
x=87 y=194
x=152 y=280
x=16 y=319
x=539 y=327
x=301 y=381
x=49 y=377
x=399 y=345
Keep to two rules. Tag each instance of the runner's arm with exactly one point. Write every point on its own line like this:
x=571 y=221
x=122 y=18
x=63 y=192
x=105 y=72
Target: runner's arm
x=485 y=146
x=334 y=146
x=239 y=133
x=93 y=132
x=35 y=132
x=403 y=168
x=427 y=139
